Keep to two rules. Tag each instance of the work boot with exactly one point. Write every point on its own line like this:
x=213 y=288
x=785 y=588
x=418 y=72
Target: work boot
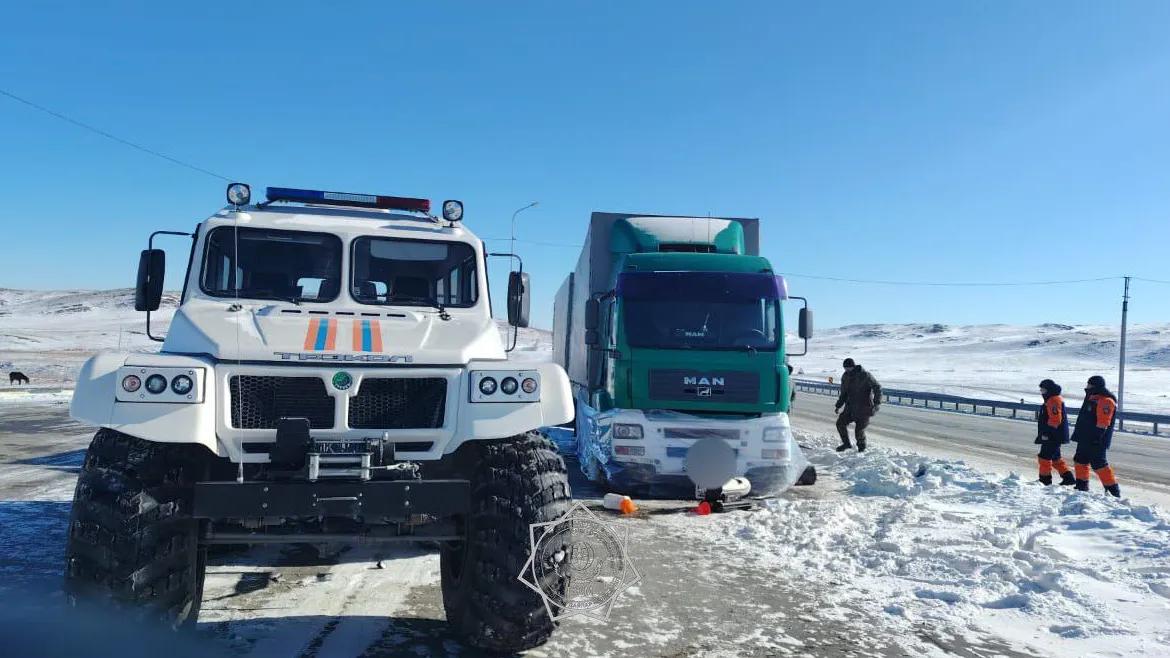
x=1114 y=489
x=1067 y=479
x=844 y=446
x=1046 y=480
x=860 y=446
x=1082 y=485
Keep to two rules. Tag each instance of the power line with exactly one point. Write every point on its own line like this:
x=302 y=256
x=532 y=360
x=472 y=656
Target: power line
x=124 y=142
x=957 y=284
x=1142 y=278
x=535 y=242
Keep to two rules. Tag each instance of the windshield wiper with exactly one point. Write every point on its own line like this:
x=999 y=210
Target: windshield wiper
x=433 y=303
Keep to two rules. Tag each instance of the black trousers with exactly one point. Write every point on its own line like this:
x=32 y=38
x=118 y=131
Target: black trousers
x=860 y=421
x=1092 y=453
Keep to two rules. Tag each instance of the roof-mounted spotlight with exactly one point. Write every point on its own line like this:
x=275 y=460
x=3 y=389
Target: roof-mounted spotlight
x=239 y=194
x=453 y=210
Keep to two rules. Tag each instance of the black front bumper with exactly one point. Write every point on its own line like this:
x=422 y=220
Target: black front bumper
x=371 y=501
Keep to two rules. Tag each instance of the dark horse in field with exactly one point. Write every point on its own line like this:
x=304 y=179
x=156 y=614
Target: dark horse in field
x=17 y=377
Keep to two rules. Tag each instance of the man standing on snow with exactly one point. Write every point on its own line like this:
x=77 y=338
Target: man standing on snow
x=861 y=395
x=1052 y=433
x=1093 y=436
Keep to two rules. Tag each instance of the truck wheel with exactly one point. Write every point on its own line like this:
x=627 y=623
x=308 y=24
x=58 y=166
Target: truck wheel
x=132 y=542
x=514 y=483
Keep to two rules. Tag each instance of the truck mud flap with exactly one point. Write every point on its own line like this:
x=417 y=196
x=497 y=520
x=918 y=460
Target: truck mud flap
x=375 y=499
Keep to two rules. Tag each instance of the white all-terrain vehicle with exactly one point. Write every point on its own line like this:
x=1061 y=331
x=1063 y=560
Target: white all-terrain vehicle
x=332 y=374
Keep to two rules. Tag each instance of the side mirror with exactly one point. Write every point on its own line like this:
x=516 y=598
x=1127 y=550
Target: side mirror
x=519 y=299
x=152 y=266
x=591 y=337
x=806 y=323
x=592 y=315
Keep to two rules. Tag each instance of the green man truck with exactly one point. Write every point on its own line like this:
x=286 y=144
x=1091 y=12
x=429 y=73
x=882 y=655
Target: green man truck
x=672 y=332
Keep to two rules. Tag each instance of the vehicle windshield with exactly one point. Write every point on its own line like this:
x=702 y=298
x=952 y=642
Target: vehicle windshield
x=414 y=272
x=701 y=310
x=292 y=266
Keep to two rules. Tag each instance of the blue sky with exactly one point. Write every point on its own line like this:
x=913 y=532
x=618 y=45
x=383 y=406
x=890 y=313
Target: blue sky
x=959 y=141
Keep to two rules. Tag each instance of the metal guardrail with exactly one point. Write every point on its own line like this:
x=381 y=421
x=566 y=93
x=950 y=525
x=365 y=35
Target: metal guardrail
x=955 y=403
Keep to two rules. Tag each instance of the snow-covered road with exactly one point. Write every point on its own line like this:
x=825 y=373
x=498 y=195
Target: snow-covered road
x=891 y=553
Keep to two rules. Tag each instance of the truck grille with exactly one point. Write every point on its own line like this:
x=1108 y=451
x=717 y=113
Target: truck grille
x=710 y=386
x=258 y=402
x=399 y=403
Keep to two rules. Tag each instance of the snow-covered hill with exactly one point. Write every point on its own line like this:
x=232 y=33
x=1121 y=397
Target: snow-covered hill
x=998 y=361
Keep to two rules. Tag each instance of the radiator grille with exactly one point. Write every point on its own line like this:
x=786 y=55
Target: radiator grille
x=400 y=403
x=258 y=402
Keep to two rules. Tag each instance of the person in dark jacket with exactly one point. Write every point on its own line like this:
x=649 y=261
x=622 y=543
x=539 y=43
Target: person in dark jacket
x=861 y=395
x=1093 y=436
x=1051 y=433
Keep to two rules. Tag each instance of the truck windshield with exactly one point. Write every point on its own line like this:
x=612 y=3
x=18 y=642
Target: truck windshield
x=414 y=272
x=700 y=310
x=292 y=266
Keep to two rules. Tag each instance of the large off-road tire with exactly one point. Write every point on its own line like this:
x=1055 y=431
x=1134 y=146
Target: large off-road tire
x=514 y=483
x=132 y=542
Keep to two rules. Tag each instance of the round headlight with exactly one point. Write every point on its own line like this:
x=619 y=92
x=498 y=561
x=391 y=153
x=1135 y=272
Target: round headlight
x=509 y=385
x=131 y=383
x=156 y=384
x=528 y=385
x=487 y=386
x=452 y=210
x=239 y=194
x=182 y=385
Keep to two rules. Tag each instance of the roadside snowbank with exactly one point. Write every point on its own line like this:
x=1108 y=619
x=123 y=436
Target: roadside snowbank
x=917 y=542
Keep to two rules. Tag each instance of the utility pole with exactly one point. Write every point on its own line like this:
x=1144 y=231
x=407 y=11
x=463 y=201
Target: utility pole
x=1121 y=364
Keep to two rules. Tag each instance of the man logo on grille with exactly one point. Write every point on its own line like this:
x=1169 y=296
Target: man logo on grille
x=584 y=554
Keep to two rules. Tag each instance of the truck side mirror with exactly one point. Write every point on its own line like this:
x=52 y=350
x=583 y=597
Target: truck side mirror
x=519 y=299
x=591 y=337
x=592 y=316
x=152 y=266
x=806 y=323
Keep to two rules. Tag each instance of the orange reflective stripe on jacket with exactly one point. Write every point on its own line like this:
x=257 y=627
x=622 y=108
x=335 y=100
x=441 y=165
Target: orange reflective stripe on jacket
x=1055 y=408
x=1106 y=407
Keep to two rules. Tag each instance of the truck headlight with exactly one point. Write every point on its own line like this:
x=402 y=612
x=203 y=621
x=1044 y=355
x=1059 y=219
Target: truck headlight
x=773 y=434
x=159 y=384
x=627 y=431
x=505 y=386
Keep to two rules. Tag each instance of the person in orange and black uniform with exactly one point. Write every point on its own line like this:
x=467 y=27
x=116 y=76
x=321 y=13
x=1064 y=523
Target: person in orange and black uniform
x=1052 y=433
x=1093 y=436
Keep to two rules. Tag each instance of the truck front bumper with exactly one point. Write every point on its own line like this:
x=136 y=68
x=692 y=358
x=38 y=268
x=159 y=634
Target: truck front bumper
x=372 y=501
x=766 y=452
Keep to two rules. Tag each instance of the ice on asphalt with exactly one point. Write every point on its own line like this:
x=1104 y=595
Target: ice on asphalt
x=914 y=541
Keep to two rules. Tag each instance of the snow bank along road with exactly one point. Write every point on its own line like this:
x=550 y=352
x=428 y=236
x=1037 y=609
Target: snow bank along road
x=996 y=444
x=890 y=554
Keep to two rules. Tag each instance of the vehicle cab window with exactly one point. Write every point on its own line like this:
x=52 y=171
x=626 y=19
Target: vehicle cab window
x=253 y=263
x=413 y=272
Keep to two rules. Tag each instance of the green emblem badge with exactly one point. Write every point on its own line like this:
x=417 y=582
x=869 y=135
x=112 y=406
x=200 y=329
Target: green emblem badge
x=342 y=380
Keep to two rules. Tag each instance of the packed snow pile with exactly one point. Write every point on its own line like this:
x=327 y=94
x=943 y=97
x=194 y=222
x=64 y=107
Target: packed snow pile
x=998 y=361
x=913 y=542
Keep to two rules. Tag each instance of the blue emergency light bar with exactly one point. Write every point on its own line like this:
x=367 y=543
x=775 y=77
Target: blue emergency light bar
x=348 y=199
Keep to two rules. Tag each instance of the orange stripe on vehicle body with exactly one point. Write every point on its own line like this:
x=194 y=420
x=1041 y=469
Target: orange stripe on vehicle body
x=357 y=335
x=311 y=335
x=331 y=337
x=375 y=336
